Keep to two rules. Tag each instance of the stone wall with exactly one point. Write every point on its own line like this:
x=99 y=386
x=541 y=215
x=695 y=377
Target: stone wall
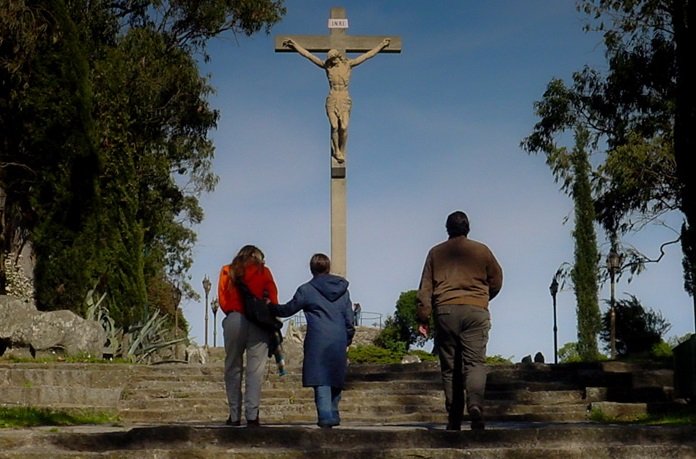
x=294 y=338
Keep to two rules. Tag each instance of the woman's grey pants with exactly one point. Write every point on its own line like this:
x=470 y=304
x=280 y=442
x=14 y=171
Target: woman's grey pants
x=462 y=336
x=240 y=336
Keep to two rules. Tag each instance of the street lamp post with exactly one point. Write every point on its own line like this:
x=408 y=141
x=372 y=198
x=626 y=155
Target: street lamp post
x=206 y=287
x=176 y=321
x=553 y=288
x=215 y=306
x=613 y=266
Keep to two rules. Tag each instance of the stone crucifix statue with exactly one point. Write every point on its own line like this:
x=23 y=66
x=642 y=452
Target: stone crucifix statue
x=338 y=104
x=338 y=68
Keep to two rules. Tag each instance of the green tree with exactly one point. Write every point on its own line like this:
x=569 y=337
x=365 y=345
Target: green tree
x=401 y=330
x=584 y=272
x=642 y=109
x=651 y=46
x=104 y=142
x=25 y=29
x=637 y=329
x=49 y=159
x=568 y=353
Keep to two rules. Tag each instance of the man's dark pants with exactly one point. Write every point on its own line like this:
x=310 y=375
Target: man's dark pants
x=461 y=336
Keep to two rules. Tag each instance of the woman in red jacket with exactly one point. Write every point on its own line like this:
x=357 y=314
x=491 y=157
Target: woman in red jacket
x=241 y=335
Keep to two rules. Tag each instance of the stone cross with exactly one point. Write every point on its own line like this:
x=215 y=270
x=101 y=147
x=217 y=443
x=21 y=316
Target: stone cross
x=342 y=43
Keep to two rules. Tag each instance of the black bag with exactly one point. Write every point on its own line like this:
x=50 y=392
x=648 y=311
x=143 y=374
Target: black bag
x=257 y=310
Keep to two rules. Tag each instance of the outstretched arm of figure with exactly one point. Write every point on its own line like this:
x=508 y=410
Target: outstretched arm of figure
x=371 y=53
x=290 y=43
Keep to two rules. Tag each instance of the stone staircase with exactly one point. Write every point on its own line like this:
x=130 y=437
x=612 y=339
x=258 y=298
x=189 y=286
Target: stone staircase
x=388 y=411
x=375 y=394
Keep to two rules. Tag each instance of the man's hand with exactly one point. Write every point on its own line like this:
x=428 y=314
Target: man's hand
x=423 y=329
x=289 y=43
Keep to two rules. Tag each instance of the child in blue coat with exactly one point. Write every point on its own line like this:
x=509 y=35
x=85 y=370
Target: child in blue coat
x=328 y=310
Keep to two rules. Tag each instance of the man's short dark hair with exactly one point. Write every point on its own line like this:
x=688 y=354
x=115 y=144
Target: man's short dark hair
x=319 y=264
x=457 y=224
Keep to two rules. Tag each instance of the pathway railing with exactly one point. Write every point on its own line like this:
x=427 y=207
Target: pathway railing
x=364 y=319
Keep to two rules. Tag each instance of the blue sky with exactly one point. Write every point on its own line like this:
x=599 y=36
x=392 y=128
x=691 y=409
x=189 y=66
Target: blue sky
x=433 y=129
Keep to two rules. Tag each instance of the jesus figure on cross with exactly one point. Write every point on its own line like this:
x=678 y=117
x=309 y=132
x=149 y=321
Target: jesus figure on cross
x=338 y=104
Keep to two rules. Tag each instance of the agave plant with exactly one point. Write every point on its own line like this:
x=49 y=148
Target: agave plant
x=96 y=310
x=149 y=337
x=140 y=342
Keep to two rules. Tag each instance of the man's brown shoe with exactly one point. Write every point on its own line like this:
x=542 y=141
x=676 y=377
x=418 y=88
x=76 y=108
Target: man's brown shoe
x=476 y=417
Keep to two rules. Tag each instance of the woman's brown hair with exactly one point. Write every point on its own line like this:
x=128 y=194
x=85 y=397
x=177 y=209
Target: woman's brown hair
x=247 y=255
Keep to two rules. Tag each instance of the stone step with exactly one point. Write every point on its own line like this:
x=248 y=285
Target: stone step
x=56 y=395
x=296 y=379
x=306 y=395
x=305 y=415
x=178 y=393
x=383 y=412
x=203 y=442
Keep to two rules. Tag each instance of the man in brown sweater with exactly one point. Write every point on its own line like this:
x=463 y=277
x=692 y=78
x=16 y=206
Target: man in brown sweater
x=459 y=278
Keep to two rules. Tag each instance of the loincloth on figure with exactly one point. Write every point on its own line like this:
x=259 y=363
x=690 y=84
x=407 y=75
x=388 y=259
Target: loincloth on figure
x=338 y=103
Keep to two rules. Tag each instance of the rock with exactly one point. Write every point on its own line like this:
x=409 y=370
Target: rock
x=196 y=354
x=23 y=326
x=410 y=359
x=538 y=357
x=527 y=359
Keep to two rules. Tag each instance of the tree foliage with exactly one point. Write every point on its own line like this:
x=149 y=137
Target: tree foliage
x=49 y=157
x=400 y=331
x=641 y=109
x=568 y=353
x=638 y=329
x=104 y=147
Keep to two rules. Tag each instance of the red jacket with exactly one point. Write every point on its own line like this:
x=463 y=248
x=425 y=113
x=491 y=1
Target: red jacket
x=259 y=280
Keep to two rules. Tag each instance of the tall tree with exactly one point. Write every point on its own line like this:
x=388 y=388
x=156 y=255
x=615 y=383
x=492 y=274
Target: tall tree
x=110 y=90
x=650 y=48
x=642 y=109
x=585 y=271
x=50 y=156
x=25 y=31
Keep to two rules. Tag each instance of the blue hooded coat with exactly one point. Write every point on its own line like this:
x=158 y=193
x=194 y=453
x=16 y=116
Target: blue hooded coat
x=329 y=313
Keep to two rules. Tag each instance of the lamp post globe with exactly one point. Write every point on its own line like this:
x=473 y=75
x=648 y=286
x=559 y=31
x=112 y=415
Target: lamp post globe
x=206 y=288
x=215 y=306
x=553 y=289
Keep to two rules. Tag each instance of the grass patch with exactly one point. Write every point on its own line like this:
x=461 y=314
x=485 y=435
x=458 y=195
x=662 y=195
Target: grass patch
x=379 y=355
x=498 y=359
x=27 y=416
x=680 y=416
x=374 y=354
x=62 y=359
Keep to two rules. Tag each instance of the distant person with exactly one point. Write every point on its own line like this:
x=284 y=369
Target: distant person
x=338 y=104
x=328 y=310
x=242 y=336
x=459 y=278
x=357 y=309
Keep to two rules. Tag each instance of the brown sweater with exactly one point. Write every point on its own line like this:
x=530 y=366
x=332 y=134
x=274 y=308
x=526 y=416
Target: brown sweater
x=458 y=271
